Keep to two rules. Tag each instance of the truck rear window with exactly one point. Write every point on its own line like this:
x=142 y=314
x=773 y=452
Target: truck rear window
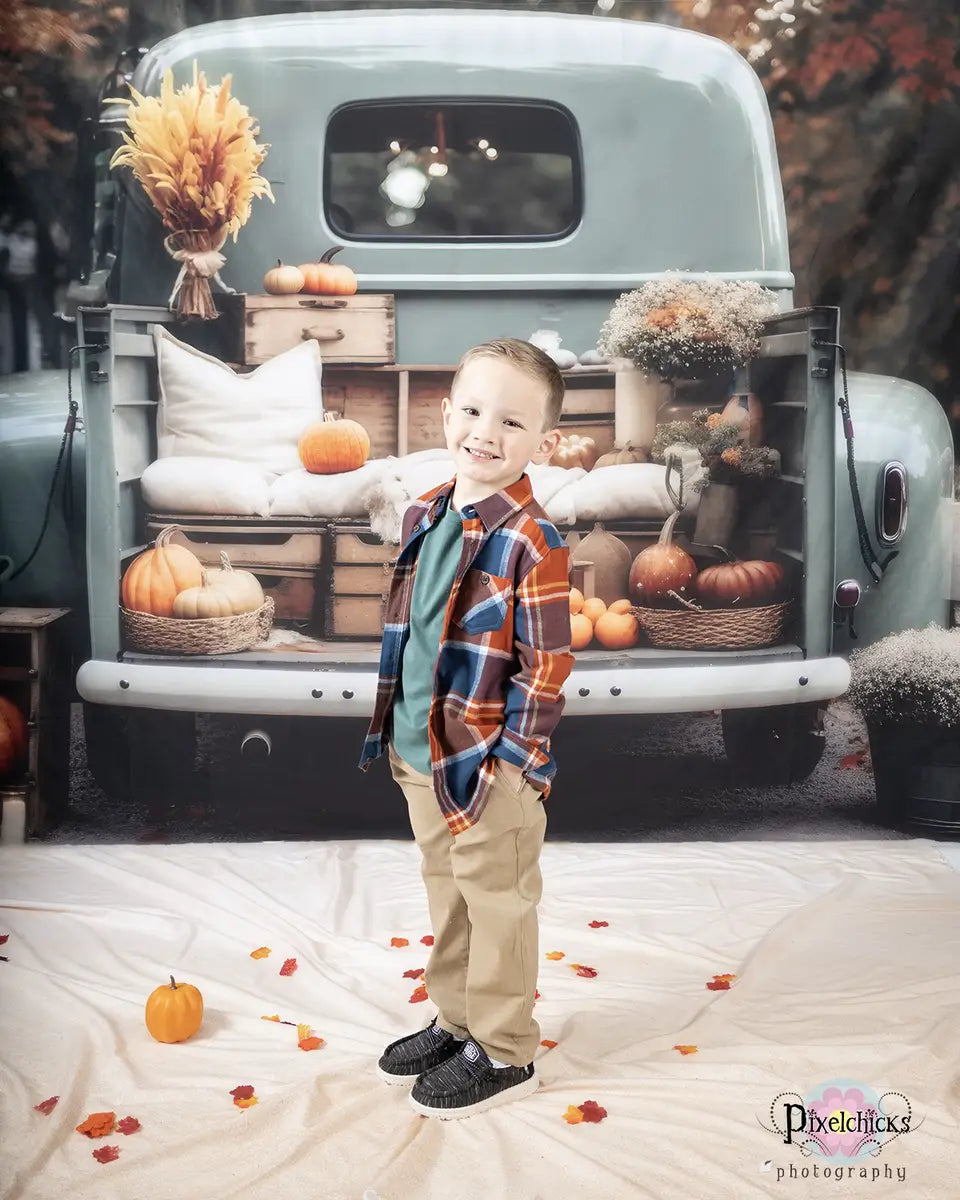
x=452 y=170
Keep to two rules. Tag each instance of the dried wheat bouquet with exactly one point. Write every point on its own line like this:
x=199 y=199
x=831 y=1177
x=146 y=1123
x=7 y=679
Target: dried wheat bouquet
x=194 y=150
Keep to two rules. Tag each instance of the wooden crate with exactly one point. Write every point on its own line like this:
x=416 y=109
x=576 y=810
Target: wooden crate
x=360 y=570
x=251 y=543
x=348 y=329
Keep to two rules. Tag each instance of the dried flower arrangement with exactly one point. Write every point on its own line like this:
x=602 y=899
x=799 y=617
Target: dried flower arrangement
x=911 y=677
x=681 y=327
x=194 y=151
x=726 y=458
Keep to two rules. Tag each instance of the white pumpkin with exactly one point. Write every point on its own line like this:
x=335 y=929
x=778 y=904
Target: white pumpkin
x=200 y=603
x=243 y=587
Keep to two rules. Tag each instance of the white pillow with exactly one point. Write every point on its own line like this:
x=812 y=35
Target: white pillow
x=193 y=484
x=547 y=480
x=206 y=408
x=300 y=494
x=630 y=490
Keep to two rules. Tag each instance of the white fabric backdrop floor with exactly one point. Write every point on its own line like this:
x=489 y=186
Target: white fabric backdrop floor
x=847 y=964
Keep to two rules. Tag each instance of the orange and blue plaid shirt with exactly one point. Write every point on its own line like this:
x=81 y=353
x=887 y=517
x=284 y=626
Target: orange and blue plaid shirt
x=504 y=651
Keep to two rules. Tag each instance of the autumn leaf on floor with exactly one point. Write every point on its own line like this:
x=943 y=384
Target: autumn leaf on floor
x=573 y=1115
x=598 y=924
x=4 y=938
x=427 y=939
x=261 y=952
x=419 y=994
x=548 y=1043
x=856 y=759
x=686 y=1049
x=47 y=1106
x=243 y=1096
x=536 y=996
x=128 y=1125
x=307 y=1040
x=584 y=972
x=556 y=955
x=106 y=1154
x=398 y=943
x=721 y=983
x=413 y=973
x=593 y=1114
x=275 y=1017
x=98 y=1124
x=289 y=966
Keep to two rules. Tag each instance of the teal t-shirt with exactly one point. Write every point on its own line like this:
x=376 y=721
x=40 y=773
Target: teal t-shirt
x=436 y=570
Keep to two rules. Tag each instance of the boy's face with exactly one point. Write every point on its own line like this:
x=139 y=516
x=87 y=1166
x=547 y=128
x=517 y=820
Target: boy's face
x=493 y=423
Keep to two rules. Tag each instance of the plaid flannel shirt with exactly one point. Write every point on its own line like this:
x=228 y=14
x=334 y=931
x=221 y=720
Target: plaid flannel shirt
x=504 y=650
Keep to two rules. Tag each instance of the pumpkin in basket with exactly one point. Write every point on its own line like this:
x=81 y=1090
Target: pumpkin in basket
x=156 y=577
x=13 y=736
x=203 y=602
x=660 y=569
x=749 y=584
x=333 y=445
x=243 y=587
x=174 y=1011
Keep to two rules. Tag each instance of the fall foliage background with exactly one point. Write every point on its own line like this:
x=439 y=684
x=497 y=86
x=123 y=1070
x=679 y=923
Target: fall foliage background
x=865 y=96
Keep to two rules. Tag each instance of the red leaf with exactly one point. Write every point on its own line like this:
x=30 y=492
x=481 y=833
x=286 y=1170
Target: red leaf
x=855 y=759
x=720 y=983
x=243 y=1092
x=418 y=994
x=128 y=1125
x=414 y=973
x=3 y=938
x=593 y=1114
x=47 y=1106
x=548 y=1043
x=289 y=966
x=427 y=940
x=585 y=972
x=536 y=997
x=399 y=943
x=106 y=1154
x=599 y=924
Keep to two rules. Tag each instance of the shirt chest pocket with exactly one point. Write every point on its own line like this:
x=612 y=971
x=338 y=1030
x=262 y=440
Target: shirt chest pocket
x=483 y=602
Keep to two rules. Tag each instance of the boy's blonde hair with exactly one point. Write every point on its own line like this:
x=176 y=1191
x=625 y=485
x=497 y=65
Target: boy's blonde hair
x=533 y=362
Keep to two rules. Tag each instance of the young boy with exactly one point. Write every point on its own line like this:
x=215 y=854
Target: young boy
x=476 y=648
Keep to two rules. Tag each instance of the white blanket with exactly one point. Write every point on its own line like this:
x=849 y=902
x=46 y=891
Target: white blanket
x=846 y=959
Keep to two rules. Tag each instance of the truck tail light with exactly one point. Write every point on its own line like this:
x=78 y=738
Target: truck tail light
x=892 y=503
x=847 y=594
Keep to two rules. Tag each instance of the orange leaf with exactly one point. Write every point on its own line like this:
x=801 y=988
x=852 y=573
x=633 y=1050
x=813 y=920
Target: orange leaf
x=397 y=943
x=599 y=924
x=98 y=1124
x=418 y=995
x=413 y=973
x=106 y=1154
x=47 y=1106
x=248 y=1103
x=720 y=983
x=548 y=1043
x=573 y=1115
x=427 y=939
x=686 y=1049
x=311 y=1043
x=289 y=966
x=128 y=1125
x=262 y=952
x=275 y=1017
x=556 y=955
x=303 y=1031
x=592 y=1112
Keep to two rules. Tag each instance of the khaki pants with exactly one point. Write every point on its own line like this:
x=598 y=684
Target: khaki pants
x=483 y=887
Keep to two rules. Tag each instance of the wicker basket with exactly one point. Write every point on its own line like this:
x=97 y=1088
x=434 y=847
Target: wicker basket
x=212 y=635
x=714 y=628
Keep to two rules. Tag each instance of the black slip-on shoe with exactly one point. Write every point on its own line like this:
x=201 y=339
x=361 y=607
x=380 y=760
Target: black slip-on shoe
x=469 y=1083
x=408 y=1057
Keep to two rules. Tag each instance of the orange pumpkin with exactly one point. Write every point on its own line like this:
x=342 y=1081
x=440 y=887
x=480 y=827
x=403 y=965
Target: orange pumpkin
x=333 y=445
x=593 y=609
x=740 y=584
x=174 y=1011
x=581 y=632
x=575 y=451
x=620 y=606
x=156 y=577
x=13 y=737
x=617 y=631
x=660 y=569
x=576 y=600
x=327 y=278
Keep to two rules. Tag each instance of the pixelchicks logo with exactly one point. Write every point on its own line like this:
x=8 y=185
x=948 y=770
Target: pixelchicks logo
x=840 y=1121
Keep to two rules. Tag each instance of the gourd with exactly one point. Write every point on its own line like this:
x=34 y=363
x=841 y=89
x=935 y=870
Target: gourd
x=203 y=602
x=581 y=632
x=617 y=630
x=13 y=736
x=156 y=577
x=660 y=569
x=593 y=609
x=575 y=451
x=243 y=587
x=745 y=411
x=576 y=600
x=174 y=1012
x=620 y=456
x=333 y=445
x=283 y=280
x=327 y=278
x=740 y=584
x=611 y=562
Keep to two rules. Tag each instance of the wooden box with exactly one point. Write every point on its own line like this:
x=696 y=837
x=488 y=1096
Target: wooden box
x=361 y=567
x=251 y=543
x=348 y=329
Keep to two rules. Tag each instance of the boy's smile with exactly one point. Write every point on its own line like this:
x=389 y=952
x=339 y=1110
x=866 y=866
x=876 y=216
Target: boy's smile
x=493 y=425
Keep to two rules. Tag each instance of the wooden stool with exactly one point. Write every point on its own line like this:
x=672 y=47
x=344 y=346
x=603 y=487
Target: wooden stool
x=35 y=673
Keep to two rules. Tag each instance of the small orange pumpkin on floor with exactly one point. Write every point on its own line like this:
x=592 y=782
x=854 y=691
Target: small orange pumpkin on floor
x=581 y=632
x=576 y=600
x=617 y=631
x=174 y=1011
x=620 y=606
x=593 y=608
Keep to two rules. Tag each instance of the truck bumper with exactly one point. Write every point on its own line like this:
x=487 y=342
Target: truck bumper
x=345 y=693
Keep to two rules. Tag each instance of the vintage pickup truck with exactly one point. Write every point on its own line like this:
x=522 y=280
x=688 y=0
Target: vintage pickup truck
x=627 y=150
